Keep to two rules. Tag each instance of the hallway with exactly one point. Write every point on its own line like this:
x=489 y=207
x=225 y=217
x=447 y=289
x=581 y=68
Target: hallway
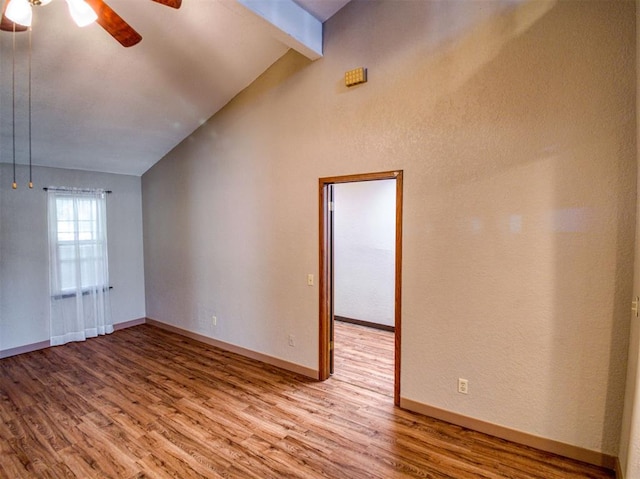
x=364 y=357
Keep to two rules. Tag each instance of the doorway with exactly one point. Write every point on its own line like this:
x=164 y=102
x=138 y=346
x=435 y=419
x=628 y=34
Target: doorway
x=326 y=277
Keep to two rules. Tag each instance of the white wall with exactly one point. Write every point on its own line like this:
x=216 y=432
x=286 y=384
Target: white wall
x=515 y=127
x=24 y=257
x=364 y=251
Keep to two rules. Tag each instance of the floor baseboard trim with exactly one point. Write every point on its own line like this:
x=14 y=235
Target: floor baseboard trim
x=520 y=437
x=368 y=324
x=619 y=473
x=129 y=324
x=280 y=363
x=28 y=348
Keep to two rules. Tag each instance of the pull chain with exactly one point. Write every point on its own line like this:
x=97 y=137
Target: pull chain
x=30 y=164
x=13 y=99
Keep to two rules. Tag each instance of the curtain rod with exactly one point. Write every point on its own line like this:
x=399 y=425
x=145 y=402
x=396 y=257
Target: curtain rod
x=76 y=189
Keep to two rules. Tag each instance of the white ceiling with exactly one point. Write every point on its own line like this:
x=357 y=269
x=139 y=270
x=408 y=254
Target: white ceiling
x=99 y=106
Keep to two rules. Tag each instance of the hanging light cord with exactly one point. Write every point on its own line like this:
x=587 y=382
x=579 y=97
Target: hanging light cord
x=30 y=166
x=14 y=185
x=13 y=99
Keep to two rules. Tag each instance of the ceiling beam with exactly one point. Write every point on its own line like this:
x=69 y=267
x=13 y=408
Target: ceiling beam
x=291 y=24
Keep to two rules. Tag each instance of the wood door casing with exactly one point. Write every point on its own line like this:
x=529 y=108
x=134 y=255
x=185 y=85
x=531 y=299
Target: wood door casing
x=325 y=280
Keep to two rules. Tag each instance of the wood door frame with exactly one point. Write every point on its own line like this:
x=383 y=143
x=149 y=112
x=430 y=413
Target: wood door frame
x=324 y=283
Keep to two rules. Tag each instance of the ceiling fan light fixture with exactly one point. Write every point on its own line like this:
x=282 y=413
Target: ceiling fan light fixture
x=19 y=11
x=81 y=12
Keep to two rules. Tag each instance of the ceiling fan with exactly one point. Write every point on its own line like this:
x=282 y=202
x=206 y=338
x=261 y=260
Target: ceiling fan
x=17 y=14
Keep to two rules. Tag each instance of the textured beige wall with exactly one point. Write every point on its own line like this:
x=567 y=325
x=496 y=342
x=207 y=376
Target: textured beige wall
x=515 y=128
x=629 y=451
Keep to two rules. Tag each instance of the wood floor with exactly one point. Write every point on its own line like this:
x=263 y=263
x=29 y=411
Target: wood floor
x=143 y=402
x=364 y=357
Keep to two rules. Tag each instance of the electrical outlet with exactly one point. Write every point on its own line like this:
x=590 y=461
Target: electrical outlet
x=292 y=341
x=463 y=386
x=214 y=320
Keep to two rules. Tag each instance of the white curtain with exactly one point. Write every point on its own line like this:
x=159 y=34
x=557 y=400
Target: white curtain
x=78 y=264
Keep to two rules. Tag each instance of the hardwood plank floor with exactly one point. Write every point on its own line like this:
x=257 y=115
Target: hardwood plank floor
x=364 y=357
x=146 y=403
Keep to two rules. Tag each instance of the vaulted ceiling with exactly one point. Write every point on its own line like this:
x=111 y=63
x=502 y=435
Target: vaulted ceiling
x=99 y=106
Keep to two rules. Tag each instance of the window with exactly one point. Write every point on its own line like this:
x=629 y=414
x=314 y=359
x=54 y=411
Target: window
x=79 y=246
x=78 y=262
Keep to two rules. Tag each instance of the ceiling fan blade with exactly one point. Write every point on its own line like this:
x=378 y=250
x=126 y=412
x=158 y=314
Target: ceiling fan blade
x=7 y=25
x=170 y=3
x=114 y=24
